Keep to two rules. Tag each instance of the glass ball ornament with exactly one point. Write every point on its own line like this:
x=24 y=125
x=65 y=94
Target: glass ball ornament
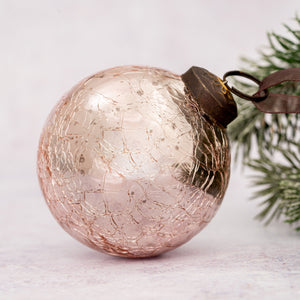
x=130 y=163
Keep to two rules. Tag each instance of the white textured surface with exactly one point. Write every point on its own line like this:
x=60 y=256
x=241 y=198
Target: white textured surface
x=46 y=47
x=233 y=257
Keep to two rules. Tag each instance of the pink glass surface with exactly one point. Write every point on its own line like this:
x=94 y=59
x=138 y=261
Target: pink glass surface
x=129 y=165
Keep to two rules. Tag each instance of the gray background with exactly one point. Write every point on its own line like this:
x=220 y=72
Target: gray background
x=47 y=47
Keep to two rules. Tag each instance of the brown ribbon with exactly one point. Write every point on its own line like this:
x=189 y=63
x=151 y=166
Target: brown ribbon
x=278 y=103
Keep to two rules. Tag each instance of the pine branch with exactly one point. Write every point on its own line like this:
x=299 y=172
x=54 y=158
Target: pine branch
x=273 y=135
x=280 y=189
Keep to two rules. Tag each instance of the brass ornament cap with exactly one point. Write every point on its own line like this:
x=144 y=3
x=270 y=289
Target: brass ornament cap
x=213 y=97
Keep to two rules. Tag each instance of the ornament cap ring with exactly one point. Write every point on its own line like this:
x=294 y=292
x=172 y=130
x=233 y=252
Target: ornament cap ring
x=264 y=94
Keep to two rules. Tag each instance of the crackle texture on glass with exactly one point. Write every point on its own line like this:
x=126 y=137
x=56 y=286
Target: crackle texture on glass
x=129 y=165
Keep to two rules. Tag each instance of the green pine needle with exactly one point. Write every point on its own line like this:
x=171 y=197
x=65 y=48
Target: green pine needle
x=276 y=137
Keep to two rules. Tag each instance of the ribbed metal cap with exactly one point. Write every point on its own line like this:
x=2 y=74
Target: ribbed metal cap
x=212 y=95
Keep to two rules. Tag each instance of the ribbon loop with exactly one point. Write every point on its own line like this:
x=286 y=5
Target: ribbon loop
x=279 y=103
x=270 y=102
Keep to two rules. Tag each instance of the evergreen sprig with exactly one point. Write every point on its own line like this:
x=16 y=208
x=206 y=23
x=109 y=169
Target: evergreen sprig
x=277 y=137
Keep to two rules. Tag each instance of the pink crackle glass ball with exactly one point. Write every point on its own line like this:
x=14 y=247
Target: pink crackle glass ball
x=129 y=165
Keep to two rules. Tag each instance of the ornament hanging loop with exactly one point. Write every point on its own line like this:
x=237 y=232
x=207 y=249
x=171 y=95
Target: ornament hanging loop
x=261 y=97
